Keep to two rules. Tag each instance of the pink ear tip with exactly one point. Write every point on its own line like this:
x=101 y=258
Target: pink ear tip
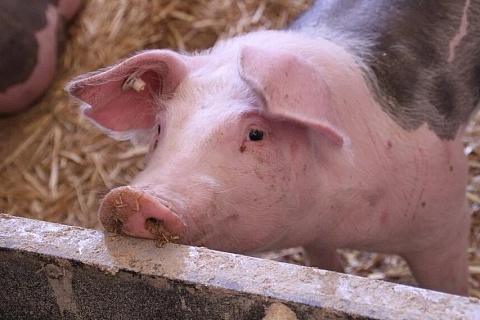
x=122 y=99
x=71 y=88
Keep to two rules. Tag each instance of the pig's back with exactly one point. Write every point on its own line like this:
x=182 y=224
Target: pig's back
x=425 y=55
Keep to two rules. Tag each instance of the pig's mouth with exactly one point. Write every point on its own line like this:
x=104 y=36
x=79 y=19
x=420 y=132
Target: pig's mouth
x=133 y=212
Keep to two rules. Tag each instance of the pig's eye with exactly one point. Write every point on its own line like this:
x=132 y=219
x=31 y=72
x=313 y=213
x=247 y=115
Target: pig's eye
x=255 y=135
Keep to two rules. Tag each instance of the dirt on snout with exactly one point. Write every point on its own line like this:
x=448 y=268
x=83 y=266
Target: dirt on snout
x=156 y=228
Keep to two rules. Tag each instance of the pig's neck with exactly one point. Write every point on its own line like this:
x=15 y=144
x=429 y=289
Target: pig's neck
x=375 y=177
x=384 y=176
x=355 y=178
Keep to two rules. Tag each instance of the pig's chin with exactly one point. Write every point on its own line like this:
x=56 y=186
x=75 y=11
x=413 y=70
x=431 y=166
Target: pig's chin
x=136 y=213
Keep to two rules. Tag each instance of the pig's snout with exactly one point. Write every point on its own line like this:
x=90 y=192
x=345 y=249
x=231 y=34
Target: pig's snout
x=129 y=211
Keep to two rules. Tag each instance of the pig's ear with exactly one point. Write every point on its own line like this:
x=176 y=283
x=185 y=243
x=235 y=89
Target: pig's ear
x=292 y=89
x=124 y=100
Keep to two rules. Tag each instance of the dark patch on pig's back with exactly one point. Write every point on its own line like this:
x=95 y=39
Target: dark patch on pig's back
x=417 y=83
x=19 y=21
x=414 y=82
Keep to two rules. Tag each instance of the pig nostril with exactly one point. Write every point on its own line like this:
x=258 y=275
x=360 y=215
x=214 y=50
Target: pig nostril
x=156 y=227
x=153 y=225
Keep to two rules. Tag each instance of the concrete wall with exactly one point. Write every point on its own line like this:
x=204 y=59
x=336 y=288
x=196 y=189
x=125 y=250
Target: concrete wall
x=52 y=271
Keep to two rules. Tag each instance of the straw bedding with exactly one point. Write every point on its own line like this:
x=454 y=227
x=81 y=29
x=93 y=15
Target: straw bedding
x=55 y=166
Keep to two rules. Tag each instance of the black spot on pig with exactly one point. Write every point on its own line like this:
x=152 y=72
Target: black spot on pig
x=19 y=21
x=417 y=82
x=442 y=97
x=404 y=50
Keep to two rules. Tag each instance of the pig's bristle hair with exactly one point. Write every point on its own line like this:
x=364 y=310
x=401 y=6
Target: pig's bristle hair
x=55 y=165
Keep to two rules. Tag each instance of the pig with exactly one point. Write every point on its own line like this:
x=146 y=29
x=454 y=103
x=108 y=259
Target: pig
x=31 y=33
x=341 y=131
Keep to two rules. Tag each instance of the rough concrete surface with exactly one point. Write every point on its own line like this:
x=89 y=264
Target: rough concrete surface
x=53 y=271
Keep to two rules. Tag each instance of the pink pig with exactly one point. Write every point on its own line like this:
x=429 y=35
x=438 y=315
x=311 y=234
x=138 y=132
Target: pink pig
x=276 y=139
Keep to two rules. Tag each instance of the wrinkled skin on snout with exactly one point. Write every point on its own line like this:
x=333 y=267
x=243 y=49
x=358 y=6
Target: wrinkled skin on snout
x=258 y=145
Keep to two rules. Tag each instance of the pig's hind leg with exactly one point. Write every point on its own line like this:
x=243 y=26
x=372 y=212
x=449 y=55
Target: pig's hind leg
x=444 y=265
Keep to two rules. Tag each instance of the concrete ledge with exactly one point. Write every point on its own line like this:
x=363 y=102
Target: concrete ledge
x=53 y=271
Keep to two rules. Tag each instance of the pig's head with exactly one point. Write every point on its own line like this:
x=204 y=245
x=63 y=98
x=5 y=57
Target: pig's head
x=234 y=139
